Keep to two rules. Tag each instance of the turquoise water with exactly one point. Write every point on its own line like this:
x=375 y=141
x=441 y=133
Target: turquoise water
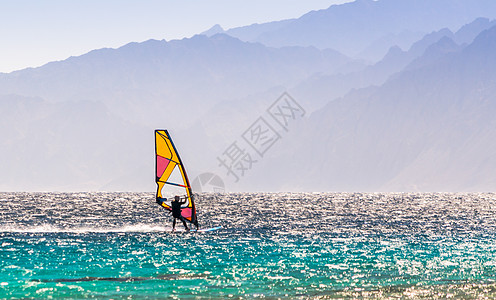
x=115 y=245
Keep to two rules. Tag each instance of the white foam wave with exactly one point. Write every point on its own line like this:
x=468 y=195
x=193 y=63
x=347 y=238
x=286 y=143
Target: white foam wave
x=54 y=229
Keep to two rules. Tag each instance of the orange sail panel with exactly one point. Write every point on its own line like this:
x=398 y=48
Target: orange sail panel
x=171 y=176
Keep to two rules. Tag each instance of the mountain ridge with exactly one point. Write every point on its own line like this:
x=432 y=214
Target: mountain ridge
x=352 y=27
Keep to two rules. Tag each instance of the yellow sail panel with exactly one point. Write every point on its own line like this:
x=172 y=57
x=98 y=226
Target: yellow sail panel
x=164 y=146
x=160 y=185
x=167 y=158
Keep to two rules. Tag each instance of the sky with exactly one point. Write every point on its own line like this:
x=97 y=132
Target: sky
x=34 y=32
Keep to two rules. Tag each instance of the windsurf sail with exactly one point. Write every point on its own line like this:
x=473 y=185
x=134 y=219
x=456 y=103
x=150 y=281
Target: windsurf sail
x=171 y=177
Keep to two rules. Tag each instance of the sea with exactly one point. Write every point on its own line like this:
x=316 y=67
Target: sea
x=271 y=245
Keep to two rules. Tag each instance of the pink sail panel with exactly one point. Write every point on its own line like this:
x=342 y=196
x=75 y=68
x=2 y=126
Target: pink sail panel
x=162 y=164
x=186 y=212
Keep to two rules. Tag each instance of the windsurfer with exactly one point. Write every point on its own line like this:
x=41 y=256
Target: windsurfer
x=176 y=212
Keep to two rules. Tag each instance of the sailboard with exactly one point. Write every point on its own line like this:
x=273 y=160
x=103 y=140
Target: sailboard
x=180 y=230
x=207 y=229
x=171 y=177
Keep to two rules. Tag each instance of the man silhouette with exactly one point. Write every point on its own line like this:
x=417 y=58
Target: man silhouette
x=176 y=212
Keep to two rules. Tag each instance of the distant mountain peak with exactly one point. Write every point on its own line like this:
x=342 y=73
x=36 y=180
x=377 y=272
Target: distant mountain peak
x=467 y=33
x=444 y=46
x=213 y=30
x=486 y=39
x=394 y=51
x=435 y=53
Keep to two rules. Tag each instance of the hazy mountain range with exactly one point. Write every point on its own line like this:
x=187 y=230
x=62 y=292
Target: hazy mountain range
x=430 y=127
x=137 y=79
x=417 y=119
x=366 y=28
